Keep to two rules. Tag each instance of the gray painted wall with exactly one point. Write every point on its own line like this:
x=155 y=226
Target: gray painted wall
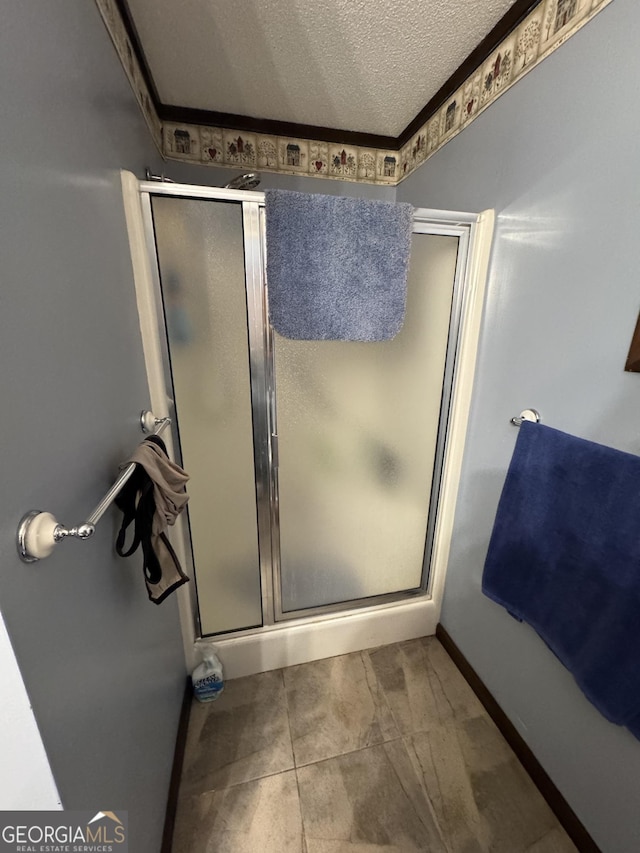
x=557 y=158
x=103 y=666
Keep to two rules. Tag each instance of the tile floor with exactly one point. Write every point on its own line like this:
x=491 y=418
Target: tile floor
x=373 y=752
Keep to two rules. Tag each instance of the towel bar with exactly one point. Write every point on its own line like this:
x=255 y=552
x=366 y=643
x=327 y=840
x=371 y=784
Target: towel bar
x=526 y=415
x=39 y=532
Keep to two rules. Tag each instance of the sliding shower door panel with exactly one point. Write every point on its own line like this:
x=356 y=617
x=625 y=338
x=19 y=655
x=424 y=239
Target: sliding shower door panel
x=357 y=432
x=201 y=257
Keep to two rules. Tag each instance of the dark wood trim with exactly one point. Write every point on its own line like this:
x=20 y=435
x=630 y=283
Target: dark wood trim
x=136 y=44
x=176 y=770
x=560 y=807
x=186 y=115
x=516 y=14
x=633 y=357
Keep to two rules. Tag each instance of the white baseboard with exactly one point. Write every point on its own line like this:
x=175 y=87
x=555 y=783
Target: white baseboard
x=288 y=645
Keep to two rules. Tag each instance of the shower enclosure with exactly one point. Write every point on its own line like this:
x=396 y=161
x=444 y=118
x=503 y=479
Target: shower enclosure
x=316 y=466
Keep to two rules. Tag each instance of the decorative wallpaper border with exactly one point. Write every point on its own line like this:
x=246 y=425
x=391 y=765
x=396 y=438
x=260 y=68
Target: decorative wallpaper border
x=543 y=31
x=214 y=146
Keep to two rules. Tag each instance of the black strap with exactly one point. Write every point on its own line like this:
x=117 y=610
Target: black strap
x=155 y=439
x=138 y=505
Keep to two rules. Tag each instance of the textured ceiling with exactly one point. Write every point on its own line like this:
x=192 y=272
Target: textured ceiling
x=360 y=65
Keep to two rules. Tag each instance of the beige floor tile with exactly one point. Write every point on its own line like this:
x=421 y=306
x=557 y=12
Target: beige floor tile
x=556 y=841
x=332 y=709
x=369 y=800
x=315 y=845
x=422 y=685
x=262 y=816
x=514 y=809
x=484 y=800
x=393 y=753
x=243 y=735
x=485 y=749
x=440 y=760
x=463 y=702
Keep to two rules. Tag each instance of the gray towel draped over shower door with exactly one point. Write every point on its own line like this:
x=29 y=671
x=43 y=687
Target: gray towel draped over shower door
x=336 y=267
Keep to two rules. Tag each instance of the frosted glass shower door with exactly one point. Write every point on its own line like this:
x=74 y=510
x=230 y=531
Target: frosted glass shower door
x=201 y=257
x=358 y=427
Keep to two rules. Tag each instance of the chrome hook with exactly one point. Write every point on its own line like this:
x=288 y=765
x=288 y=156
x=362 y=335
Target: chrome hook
x=526 y=415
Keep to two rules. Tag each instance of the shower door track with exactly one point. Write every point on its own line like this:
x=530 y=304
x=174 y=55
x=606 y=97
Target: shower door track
x=473 y=232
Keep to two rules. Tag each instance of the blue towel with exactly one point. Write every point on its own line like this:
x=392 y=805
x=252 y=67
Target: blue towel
x=564 y=557
x=336 y=267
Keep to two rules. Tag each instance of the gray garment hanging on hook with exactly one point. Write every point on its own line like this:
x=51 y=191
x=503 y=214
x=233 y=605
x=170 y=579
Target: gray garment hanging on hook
x=152 y=499
x=169 y=481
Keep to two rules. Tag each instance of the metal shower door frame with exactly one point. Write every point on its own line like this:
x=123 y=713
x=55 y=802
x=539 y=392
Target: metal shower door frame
x=263 y=394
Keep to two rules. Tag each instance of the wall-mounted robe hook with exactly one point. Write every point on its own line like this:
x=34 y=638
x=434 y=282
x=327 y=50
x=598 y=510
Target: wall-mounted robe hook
x=149 y=423
x=526 y=415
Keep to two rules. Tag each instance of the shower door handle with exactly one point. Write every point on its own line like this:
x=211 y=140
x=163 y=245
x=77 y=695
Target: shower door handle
x=275 y=450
